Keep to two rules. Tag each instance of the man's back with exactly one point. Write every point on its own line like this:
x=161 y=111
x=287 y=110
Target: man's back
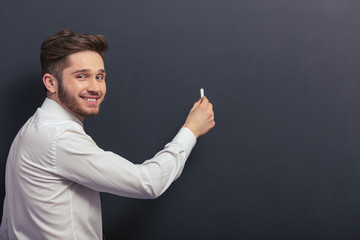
x=36 y=196
x=55 y=172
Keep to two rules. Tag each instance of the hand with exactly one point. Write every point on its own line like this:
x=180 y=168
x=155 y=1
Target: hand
x=201 y=117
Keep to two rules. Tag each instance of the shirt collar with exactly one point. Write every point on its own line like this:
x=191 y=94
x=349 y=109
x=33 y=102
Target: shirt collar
x=56 y=110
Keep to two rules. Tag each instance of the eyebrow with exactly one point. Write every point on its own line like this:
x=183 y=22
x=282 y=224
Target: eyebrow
x=86 y=71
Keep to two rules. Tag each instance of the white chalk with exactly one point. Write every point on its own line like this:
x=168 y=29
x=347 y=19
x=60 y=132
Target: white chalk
x=201 y=92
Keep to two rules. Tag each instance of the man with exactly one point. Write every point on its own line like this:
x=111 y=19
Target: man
x=55 y=171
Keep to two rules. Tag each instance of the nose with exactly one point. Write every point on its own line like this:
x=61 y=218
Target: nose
x=94 y=86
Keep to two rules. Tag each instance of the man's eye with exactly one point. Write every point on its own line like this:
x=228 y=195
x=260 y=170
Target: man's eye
x=100 y=77
x=82 y=76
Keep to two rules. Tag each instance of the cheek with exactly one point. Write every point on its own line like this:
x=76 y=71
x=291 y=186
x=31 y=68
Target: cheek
x=73 y=86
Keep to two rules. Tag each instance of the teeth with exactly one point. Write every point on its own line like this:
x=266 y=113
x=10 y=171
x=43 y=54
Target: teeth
x=90 y=99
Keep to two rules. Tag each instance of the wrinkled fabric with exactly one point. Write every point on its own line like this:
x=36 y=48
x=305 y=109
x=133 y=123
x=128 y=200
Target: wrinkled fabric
x=55 y=171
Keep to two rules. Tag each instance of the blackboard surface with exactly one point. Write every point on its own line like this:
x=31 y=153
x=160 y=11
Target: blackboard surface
x=283 y=161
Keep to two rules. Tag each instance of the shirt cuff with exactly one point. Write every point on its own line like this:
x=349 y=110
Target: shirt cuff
x=186 y=138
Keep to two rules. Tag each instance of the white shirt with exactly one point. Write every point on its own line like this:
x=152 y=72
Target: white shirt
x=55 y=171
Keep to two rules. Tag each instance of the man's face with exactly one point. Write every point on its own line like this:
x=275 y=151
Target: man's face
x=83 y=87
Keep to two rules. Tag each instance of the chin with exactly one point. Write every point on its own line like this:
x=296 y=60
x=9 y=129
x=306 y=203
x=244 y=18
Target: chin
x=86 y=112
x=91 y=113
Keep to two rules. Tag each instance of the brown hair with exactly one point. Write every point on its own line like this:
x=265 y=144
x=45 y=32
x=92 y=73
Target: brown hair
x=56 y=48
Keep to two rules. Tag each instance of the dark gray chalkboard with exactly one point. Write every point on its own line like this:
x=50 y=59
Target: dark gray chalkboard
x=283 y=161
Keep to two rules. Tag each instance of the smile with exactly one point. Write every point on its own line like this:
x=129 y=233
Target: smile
x=91 y=100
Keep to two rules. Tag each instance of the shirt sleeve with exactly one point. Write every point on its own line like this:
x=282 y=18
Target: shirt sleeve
x=80 y=160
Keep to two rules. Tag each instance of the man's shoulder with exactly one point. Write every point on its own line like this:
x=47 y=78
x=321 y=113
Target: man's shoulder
x=43 y=118
x=45 y=127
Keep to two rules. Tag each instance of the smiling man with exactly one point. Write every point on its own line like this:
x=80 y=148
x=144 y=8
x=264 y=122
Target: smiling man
x=55 y=171
x=82 y=87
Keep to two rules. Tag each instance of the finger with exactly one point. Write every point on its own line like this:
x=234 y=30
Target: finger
x=196 y=104
x=204 y=101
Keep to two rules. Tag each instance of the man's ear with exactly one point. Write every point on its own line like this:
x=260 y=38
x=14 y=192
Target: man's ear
x=50 y=82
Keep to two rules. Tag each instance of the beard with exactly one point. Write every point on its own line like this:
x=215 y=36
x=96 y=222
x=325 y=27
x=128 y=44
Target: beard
x=72 y=103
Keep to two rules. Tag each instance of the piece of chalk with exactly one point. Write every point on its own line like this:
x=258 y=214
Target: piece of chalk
x=201 y=92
